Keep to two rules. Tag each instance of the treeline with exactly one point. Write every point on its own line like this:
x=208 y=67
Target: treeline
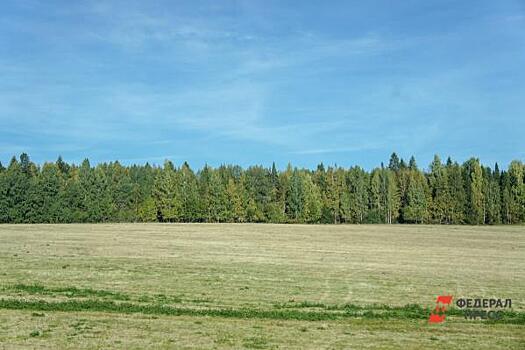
x=448 y=193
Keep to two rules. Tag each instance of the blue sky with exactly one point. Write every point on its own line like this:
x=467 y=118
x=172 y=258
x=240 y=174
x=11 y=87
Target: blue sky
x=250 y=82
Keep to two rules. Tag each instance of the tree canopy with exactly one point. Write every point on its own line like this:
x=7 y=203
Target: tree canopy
x=448 y=193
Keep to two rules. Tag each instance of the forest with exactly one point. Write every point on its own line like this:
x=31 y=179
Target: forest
x=446 y=193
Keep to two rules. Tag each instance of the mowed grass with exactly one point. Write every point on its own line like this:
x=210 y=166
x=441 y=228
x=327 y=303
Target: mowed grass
x=255 y=286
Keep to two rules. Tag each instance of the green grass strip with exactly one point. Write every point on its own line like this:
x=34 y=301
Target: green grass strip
x=408 y=312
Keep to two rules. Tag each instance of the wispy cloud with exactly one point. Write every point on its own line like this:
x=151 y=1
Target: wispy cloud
x=338 y=150
x=146 y=79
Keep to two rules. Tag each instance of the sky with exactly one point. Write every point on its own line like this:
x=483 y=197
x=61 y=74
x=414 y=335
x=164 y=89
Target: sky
x=251 y=82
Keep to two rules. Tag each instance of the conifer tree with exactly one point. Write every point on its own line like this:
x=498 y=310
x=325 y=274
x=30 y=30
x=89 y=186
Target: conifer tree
x=506 y=198
x=416 y=209
x=375 y=202
x=474 y=189
x=277 y=206
x=189 y=193
x=517 y=192
x=412 y=163
x=294 y=197
x=491 y=196
x=357 y=184
x=18 y=178
x=218 y=200
x=63 y=167
x=4 y=196
x=112 y=192
x=456 y=210
x=394 y=163
x=72 y=198
x=332 y=198
x=45 y=201
x=166 y=194
x=438 y=182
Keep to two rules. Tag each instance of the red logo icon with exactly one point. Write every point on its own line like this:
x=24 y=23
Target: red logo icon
x=438 y=314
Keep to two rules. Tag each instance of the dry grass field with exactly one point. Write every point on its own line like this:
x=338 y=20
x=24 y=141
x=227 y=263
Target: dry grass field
x=257 y=286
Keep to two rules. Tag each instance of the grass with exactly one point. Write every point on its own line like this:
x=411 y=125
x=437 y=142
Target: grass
x=70 y=292
x=385 y=312
x=406 y=312
x=256 y=286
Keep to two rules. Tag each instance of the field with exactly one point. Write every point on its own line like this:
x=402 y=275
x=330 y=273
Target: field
x=218 y=286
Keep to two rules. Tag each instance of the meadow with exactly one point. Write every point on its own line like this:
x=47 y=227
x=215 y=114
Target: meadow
x=258 y=286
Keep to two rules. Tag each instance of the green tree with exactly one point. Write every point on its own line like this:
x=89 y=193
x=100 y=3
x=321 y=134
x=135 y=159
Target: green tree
x=189 y=193
x=294 y=196
x=394 y=163
x=311 y=199
x=456 y=209
x=258 y=187
x=416 y=207
x=384 y=196
x=441 y=199
x=44 y=198
x=235 y=202
x=277 y=205
x=517 y=192
x=17 y=185
x=147 y=211
x=62 y=166
x=121 y=190
x=474 y=189
x=390 y=193
x=491 y=196
x=218 y=200
x=355 y=197
x=412 y=165
x=506 y=198
x=73 y=198
x=335 y=182
x=112 y=192
x=376 y=204
x=166 y=194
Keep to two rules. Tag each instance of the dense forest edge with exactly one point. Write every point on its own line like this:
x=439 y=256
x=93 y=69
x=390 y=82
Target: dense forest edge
x=448 y=193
